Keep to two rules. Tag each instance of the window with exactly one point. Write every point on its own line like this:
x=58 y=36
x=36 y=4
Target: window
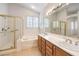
x=32 y=22
x=41 y=23
x=74 y=25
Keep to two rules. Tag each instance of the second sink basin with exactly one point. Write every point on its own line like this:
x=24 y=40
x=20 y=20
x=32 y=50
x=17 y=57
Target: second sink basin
x=69 y=46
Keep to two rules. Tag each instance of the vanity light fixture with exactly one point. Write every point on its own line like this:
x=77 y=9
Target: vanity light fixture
x=50 y=11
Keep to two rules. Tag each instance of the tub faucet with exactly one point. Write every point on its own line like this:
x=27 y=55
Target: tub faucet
x=68 y=40
x=76 y=43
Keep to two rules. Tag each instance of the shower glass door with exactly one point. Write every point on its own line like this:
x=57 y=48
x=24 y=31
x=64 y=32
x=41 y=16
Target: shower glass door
x=7 y=32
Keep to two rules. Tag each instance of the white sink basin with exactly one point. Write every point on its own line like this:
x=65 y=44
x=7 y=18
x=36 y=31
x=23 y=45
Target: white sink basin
x=74 y=48
x=69 y=46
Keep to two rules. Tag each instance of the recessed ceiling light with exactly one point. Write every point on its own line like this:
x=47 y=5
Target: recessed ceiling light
x=67 y=3
x=33 y=7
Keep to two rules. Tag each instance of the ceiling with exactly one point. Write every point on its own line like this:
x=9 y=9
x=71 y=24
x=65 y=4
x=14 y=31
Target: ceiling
x=38 y=7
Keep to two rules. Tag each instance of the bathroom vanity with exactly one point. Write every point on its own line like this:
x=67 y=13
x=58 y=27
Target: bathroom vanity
x=53 y=45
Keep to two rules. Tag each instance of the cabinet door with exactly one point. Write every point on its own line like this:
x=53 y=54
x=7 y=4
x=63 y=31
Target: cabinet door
x=49 y=44
x=40 y=43
x=43 y=46
x=43 y=52
x=43 y=43
x=60 y=52
x=48 y=51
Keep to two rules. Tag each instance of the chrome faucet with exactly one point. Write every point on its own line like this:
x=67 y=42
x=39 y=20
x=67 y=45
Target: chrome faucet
x=68 y=40
x=76 y=43
x=3 y=29
x=45 y=33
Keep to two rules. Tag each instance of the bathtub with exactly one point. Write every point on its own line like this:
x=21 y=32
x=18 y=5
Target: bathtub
x=26 y=43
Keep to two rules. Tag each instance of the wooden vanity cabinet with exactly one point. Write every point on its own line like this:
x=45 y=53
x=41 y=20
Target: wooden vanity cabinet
x=49 y=49
x=39 y=43
x=60 y=52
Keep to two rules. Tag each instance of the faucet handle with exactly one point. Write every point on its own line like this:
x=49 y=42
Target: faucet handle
x=68 y=40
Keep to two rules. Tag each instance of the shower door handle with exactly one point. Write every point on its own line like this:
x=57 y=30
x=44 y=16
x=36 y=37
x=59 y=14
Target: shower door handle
x=3 y=29
x=14 y=30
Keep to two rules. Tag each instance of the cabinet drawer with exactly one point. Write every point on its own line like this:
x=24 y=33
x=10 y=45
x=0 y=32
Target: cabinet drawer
x=39 y=37
x=49 y=44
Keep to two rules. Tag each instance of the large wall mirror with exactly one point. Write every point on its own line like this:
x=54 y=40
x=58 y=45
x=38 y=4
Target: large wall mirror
x=66 y=21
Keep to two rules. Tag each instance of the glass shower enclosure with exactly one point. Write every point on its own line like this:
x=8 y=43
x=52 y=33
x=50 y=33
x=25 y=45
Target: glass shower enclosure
x=10 y=31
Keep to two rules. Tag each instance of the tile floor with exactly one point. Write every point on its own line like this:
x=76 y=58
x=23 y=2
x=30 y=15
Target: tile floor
x=34 y=51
